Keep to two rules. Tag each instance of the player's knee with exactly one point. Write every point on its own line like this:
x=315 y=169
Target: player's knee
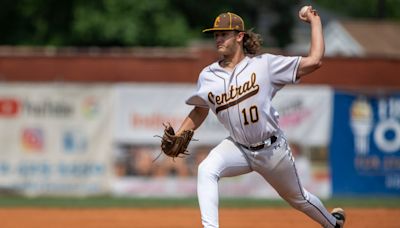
x=297 y=201
x=205 y=170
x=298 y=204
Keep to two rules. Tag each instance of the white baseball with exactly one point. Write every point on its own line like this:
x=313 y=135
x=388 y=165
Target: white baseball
x=303 y=12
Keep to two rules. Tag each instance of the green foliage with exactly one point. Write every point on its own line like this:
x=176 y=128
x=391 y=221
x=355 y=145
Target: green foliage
x=92 y=22
x=35 y=22
x=154 y=202
x=128 y=22
x=157 y=22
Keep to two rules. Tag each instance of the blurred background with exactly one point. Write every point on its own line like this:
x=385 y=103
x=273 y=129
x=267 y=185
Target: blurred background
x=86 y=85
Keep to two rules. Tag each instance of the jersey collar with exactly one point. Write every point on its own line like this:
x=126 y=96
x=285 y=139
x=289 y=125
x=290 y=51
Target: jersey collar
x=238 y=68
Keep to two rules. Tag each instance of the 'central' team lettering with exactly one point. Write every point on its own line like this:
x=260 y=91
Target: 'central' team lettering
x=235 y=93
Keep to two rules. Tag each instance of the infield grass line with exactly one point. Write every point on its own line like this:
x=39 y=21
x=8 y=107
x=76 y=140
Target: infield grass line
x=125 y=202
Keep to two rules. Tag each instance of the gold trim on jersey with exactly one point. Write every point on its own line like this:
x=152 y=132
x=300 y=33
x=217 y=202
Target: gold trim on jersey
x=235 y=95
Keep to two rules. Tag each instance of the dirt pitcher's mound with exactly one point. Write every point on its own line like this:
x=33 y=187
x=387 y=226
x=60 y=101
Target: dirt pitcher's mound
x=183 y=218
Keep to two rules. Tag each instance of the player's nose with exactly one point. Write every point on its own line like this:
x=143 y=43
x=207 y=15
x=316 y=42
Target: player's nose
x=219 y=40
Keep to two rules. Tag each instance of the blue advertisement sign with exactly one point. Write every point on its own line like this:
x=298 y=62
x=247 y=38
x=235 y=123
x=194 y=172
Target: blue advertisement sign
x=365 y=145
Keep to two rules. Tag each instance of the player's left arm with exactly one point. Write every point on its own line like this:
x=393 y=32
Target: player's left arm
x=313 y=61
x=195 y=118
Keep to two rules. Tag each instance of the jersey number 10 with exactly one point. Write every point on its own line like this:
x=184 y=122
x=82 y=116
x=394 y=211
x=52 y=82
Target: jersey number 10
x=253 y=113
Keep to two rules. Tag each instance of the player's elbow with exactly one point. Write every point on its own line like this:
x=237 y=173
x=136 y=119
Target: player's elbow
x=309 y=65
x=318 y=64
x=315 y=62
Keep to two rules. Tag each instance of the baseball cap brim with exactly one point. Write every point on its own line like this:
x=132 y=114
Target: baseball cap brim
x=219 y=29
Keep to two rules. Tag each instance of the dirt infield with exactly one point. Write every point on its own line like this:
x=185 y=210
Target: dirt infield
x=183 y=217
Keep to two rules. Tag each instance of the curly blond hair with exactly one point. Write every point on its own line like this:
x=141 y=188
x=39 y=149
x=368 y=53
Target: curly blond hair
x=252 y=42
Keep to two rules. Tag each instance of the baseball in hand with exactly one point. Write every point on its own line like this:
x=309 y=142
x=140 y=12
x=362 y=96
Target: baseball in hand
x=303 y=13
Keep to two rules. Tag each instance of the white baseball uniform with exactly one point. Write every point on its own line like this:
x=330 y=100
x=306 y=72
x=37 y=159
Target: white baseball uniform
x=241 y=100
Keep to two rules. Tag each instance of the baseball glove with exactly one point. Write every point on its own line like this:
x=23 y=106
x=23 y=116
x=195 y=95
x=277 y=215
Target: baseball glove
x=175 y=145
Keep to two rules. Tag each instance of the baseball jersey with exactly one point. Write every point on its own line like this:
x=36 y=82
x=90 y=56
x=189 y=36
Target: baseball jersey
x=241 y=99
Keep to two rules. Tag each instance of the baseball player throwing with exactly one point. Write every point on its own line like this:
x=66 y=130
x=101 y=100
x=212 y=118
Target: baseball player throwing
x=238 y=89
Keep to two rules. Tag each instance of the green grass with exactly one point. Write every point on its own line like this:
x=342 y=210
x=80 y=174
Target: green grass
x=107 y=202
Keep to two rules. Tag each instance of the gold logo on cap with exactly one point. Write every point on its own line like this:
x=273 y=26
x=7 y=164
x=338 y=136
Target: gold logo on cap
x=217 y=21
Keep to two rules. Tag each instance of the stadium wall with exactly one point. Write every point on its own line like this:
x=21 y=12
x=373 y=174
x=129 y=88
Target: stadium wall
x=172 y=65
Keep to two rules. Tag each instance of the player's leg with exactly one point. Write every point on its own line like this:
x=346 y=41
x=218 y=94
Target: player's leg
x=224 y=160
x=277 y=166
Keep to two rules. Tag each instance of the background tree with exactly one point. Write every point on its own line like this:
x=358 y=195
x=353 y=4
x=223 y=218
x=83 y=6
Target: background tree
x=129 y=23
x=159 y=22
x=25 y=22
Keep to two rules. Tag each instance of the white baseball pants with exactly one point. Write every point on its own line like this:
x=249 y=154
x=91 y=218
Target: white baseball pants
x=275 y=163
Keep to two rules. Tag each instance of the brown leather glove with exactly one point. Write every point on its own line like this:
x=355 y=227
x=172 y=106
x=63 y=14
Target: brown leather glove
x=175 y=145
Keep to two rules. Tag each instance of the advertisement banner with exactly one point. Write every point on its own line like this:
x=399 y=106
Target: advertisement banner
x=55 y=139
x=365 y=146
x=305 y=113
x=142 y=108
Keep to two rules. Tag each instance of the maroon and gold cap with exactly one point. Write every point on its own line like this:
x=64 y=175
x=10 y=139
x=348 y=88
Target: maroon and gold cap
x=228 y=22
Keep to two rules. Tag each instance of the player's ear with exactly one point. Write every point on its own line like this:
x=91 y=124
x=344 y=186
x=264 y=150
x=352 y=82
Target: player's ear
x=239 y=36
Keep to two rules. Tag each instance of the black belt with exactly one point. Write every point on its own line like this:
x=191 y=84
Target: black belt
x=261 y=145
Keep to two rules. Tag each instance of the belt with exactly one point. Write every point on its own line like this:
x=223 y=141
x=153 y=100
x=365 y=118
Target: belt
x=261 y=145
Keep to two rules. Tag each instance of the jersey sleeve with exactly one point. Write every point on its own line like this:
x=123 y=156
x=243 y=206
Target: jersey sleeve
x=283 y=69
x=198 y=98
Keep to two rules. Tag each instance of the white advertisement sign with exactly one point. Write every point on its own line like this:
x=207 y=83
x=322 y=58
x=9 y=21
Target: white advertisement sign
x=55 y=139
x=142 y=108
x=305 y=113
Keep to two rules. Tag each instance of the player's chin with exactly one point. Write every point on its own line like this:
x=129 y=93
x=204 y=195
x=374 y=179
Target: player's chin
x=221 y=50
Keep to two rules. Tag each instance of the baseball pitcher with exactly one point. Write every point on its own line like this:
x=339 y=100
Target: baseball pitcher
x=238 y=89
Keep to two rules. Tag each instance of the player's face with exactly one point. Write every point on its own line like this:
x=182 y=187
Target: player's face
x=227 y=42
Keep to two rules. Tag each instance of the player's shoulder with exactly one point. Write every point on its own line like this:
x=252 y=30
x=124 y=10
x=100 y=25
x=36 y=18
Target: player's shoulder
x=204 y=73
x=209 y=70
x=260 y=59
x=269 y=57
x=265 y=56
